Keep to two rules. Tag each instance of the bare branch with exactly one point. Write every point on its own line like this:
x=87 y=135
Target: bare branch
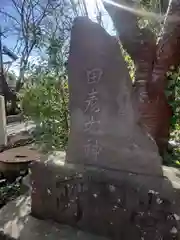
x=126 y=23
x=85 y=8
x=74 y=7
x=9 y=16
x=16 y=6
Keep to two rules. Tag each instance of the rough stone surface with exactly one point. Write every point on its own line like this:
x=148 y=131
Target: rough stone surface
x=135 y=206
x=16 y=223
x=104 y=128
x=20 y=127
x=3 y=133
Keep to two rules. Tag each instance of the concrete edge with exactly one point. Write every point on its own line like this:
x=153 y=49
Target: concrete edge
x=14 y=118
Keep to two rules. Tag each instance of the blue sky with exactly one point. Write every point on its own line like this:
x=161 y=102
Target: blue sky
x=10 y=40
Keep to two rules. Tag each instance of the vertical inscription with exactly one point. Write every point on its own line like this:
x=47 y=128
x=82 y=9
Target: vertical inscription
x=92 y=148
x=94 y=75
x=92 y=103
x=91 y=124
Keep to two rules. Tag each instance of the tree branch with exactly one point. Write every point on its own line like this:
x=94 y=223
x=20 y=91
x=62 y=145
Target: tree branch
x=168 y=50
x=127 y=28
x=14 y=2
x=9 y=16
x=139 y=43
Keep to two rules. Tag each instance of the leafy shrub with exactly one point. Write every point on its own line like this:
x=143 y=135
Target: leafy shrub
x=172 y=157
x=45 y=101
x=173 y=94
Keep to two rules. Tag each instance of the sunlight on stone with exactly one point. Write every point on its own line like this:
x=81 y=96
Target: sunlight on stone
x=57 y=157
x=20 y=201
x=15 y=227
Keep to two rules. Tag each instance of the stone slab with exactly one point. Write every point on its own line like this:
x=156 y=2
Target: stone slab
x=16 y=223
x=20 y=127
x=105 y=129
x=70 y=187
x=173 y=174
x=56 y=161
x=15 y=118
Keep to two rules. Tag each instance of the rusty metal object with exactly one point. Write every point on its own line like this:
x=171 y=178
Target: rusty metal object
x=17 y=159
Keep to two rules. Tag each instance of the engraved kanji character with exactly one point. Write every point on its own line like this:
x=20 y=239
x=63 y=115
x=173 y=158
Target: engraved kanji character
x=92 y=102
x=92 y=149
x=94 y=75
x=89 y=125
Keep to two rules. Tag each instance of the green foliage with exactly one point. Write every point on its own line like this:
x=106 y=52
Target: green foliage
x=46 y=103
x=130 y=64
x=9 y=192
x=173 y=95
x=153 y=20
x=158 y=6
x=172 y=158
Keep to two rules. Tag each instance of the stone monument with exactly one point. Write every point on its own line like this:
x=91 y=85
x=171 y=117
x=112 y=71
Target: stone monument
x=104 y=128
x=111 y=182
x=3 y=133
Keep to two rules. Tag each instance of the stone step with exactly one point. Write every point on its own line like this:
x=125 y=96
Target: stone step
x=16 y=223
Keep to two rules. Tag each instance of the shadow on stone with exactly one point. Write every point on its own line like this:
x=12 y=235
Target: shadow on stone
x=16 y=223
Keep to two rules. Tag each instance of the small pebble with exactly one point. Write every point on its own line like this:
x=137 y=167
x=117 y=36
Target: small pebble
x=174 y=230
x=176 y=217
x=95 y=195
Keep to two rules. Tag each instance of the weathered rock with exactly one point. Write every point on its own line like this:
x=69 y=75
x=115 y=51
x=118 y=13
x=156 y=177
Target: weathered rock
x=3 y=133
x=105 y=130
x=115 y=204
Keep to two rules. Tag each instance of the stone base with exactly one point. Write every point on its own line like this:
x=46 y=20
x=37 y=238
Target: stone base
x=115 y=204
x=17 y=224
